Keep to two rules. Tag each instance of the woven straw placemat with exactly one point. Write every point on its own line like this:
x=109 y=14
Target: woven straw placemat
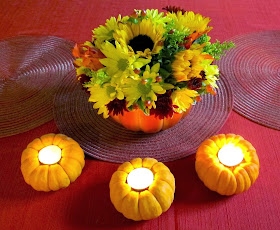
x=31 y=68
x=253 y=69
x=106 y=140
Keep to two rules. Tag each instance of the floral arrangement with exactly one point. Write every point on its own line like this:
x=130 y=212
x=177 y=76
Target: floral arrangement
x=160 y=63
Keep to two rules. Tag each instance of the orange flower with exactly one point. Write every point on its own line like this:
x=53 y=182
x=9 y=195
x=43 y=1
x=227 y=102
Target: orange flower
x=90 y=56
x=191 y=38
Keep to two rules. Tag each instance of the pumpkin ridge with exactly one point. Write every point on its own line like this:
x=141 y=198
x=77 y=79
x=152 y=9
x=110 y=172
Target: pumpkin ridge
x=152 y=195
x=218 y=175
x=126 y=195
x=161 y=194
x=28 y=153
x=211 y=171
x=230 y=188
x=34 y=169
x=224 y=181
x=32 y=158
x=27 y=176
x=139 y=207
x=206 y=170
x=62 y=168
x=48 y=178
x=252 y=168
x=244 y=176
x=214 y=152
x=214 y=143
x=162 y=179
x=157 y=199
x=75 y=160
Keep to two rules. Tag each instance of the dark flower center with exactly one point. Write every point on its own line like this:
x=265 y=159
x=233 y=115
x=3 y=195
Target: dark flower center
x=195 y=83
x=141 y=42
x=203 y=75
x=84 y=78
x=117 y=106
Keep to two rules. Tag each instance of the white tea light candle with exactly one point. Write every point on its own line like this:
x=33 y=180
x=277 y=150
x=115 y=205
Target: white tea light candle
x=230 y=155
x=140 y=178
x=50 y=155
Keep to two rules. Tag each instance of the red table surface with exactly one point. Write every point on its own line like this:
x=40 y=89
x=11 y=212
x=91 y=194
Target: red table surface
x=85 y=204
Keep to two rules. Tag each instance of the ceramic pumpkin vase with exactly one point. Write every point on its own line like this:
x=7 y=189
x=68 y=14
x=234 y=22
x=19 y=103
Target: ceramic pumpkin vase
x=136 y=120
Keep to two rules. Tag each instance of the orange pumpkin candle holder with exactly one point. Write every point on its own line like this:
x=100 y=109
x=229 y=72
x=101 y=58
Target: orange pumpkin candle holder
x=142 y=189
x=136 y=120
x=227 y=164
x=51 y=162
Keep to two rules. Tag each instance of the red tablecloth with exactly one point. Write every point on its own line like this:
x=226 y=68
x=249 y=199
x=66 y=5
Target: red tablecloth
x=85 y=204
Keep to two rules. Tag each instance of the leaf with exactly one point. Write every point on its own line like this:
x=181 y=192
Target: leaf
x=133 y=20
x=164 y=73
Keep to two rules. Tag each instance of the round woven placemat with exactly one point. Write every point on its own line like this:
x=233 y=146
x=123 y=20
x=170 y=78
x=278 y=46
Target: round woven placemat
x=253 y=69
x=31 y=68
x=106 y=140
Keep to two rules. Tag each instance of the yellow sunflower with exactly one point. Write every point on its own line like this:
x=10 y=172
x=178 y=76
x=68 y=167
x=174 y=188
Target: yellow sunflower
x=187 y=65
x=144 y=38
x=190 y=22
x=183 y=98
x=119 y=62
x=105 y=33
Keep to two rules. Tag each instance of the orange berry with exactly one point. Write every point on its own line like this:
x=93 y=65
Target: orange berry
x=159 y=78
x=135 y=106
x=171 y=31
x=198 y=98
x=134 y=15
x=143 y=13
x=160 y=43
x=213 y=92
x=137 y=71
x=208 y=89
x=148 y=103
x=144 y=81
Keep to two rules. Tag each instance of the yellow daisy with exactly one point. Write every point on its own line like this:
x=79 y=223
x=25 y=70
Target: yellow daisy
x=183 y=98
x=157 y=17
x=144 y=38
x=102 y=95
x=187 y=65
x=211 y=73
x=105 y=33
x=145 y=88
x=190 y=22
x=118 y=60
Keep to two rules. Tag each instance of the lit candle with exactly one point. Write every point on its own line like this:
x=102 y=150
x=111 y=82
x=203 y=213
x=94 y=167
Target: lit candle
x=230 y=155
x=50 y=155
x=140 y=178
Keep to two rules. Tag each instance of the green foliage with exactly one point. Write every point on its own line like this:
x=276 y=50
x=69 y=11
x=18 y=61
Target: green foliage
x=171 y=47
x=133 y=20
x=217 y=49
x=202 y=39
x=97 y=77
